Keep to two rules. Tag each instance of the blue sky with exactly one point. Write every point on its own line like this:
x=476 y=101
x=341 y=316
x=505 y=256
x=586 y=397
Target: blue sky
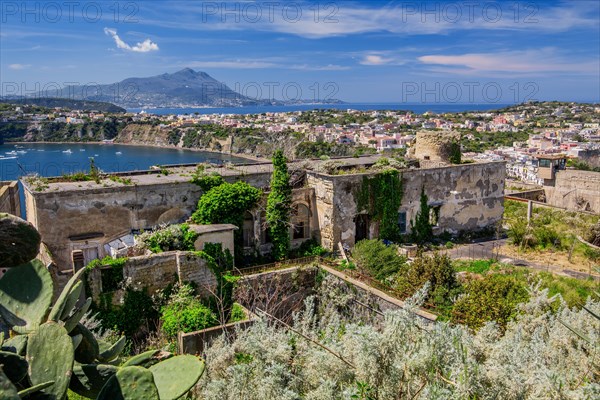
x=357 y=51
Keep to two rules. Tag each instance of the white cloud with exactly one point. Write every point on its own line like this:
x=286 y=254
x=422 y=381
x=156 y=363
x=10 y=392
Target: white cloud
x=18 y=67
x=528 y=62
x=328 y=67
x=373 y=59
x=395 y=17
x=141 y=47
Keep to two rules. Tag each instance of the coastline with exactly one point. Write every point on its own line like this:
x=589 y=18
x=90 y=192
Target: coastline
x=244 y=156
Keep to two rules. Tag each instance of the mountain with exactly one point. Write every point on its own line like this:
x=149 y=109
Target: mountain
x=186 y=88
x=183 y=89
x=52 y=102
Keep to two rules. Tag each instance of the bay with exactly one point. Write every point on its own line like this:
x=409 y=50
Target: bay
x=437 y=108
x=56 y=159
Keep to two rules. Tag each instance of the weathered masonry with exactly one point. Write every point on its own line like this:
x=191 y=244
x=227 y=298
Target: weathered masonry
x=78 y=219
x=10 y=202
x=467 y=197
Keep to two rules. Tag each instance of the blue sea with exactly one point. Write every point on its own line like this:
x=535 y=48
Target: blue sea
x=416 y=108
x=48 y=160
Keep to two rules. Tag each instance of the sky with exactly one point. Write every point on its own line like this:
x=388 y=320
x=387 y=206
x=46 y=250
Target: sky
x=357 y=51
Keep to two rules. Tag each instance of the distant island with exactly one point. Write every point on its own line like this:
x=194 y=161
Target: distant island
x=183 y=89
x=53 y=102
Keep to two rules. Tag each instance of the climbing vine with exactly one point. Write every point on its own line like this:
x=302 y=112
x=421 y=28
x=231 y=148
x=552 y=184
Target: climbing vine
x=381 y=196
x=279 y=204
x=220 y=262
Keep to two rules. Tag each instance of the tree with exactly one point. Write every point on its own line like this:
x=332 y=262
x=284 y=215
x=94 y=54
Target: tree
x=421 y=229
x=227 y=204
x=279 y=204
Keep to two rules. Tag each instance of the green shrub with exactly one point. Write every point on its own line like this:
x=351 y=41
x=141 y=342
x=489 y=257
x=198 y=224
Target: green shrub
x=279 y=204
x=207 y=181
x=171 y=238
x=237 y=313
x=377 y=259
x=185 y=313
x=307 y=249
x=493 y=298
x=437 y=270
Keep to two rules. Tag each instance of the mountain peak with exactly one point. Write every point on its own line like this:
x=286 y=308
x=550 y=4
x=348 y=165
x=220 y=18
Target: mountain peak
x=187 y=71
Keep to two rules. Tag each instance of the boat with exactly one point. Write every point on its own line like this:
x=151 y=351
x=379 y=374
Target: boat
x=118 y=153
x=21 y=152
x=81 y=149
x=11 y=153
x=68 y=151
x=18 y=147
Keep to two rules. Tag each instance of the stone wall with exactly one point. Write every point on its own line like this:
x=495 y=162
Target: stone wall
x=279 y=293
x=575 y=190
x=86 y=216
x=435 y=145
x=590 y=157
x=470 y=197
x=9 y=198
x=157 y=271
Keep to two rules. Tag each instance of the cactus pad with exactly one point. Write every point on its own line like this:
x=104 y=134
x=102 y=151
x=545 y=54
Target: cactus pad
x=87 y=351
x=72 y=299
x=176 y=376
x=143 y=359
x=73 y=320
x=88 y=379
x=16 y=344
x=15 y=366
x=7 y=390
x=19 y=241
x=113 y=351
x=63 y=299
x=50 y=358
x=130 y=383
x=26 y=295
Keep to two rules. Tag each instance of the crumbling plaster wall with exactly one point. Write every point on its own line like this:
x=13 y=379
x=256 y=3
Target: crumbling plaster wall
x=109 y=212
x=470 y=197
x=575 y=190
x=10 y=202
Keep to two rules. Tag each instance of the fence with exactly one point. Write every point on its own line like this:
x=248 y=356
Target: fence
x=276 y=265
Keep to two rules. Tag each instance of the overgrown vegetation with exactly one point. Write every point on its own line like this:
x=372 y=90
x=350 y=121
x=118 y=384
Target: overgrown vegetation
x=380 y=196
x=375 y=258
x=421 y=228
x=184 y=312
x=170 y=238
x=279 y=204
x=227 y=204
x=551 y=230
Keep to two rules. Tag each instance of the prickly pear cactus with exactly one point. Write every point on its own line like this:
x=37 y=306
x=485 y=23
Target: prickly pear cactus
x=88 y=379
x=113 y=351
x=8 y=391
x=26 y=295
x=50 y=358
x=88 y=350
x=130 y=383
x=64 y=298
x=176 y=376
x=15 y=366
x=19 y=241
x=15 y=344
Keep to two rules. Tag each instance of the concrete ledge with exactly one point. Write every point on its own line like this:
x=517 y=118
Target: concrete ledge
x=421 y=313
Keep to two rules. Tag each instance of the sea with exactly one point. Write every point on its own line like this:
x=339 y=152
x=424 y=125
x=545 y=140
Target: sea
x=415 y=108
x=56 y=159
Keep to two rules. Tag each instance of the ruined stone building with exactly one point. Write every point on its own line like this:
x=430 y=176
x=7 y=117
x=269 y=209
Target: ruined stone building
x=82 y=221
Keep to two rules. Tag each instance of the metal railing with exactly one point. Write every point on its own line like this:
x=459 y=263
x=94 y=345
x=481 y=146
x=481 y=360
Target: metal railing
x=276 y=265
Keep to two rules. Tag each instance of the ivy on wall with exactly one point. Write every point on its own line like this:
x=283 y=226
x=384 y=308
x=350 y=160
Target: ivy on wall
x=279 y=205
x=220 y=262
x=381 y=196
